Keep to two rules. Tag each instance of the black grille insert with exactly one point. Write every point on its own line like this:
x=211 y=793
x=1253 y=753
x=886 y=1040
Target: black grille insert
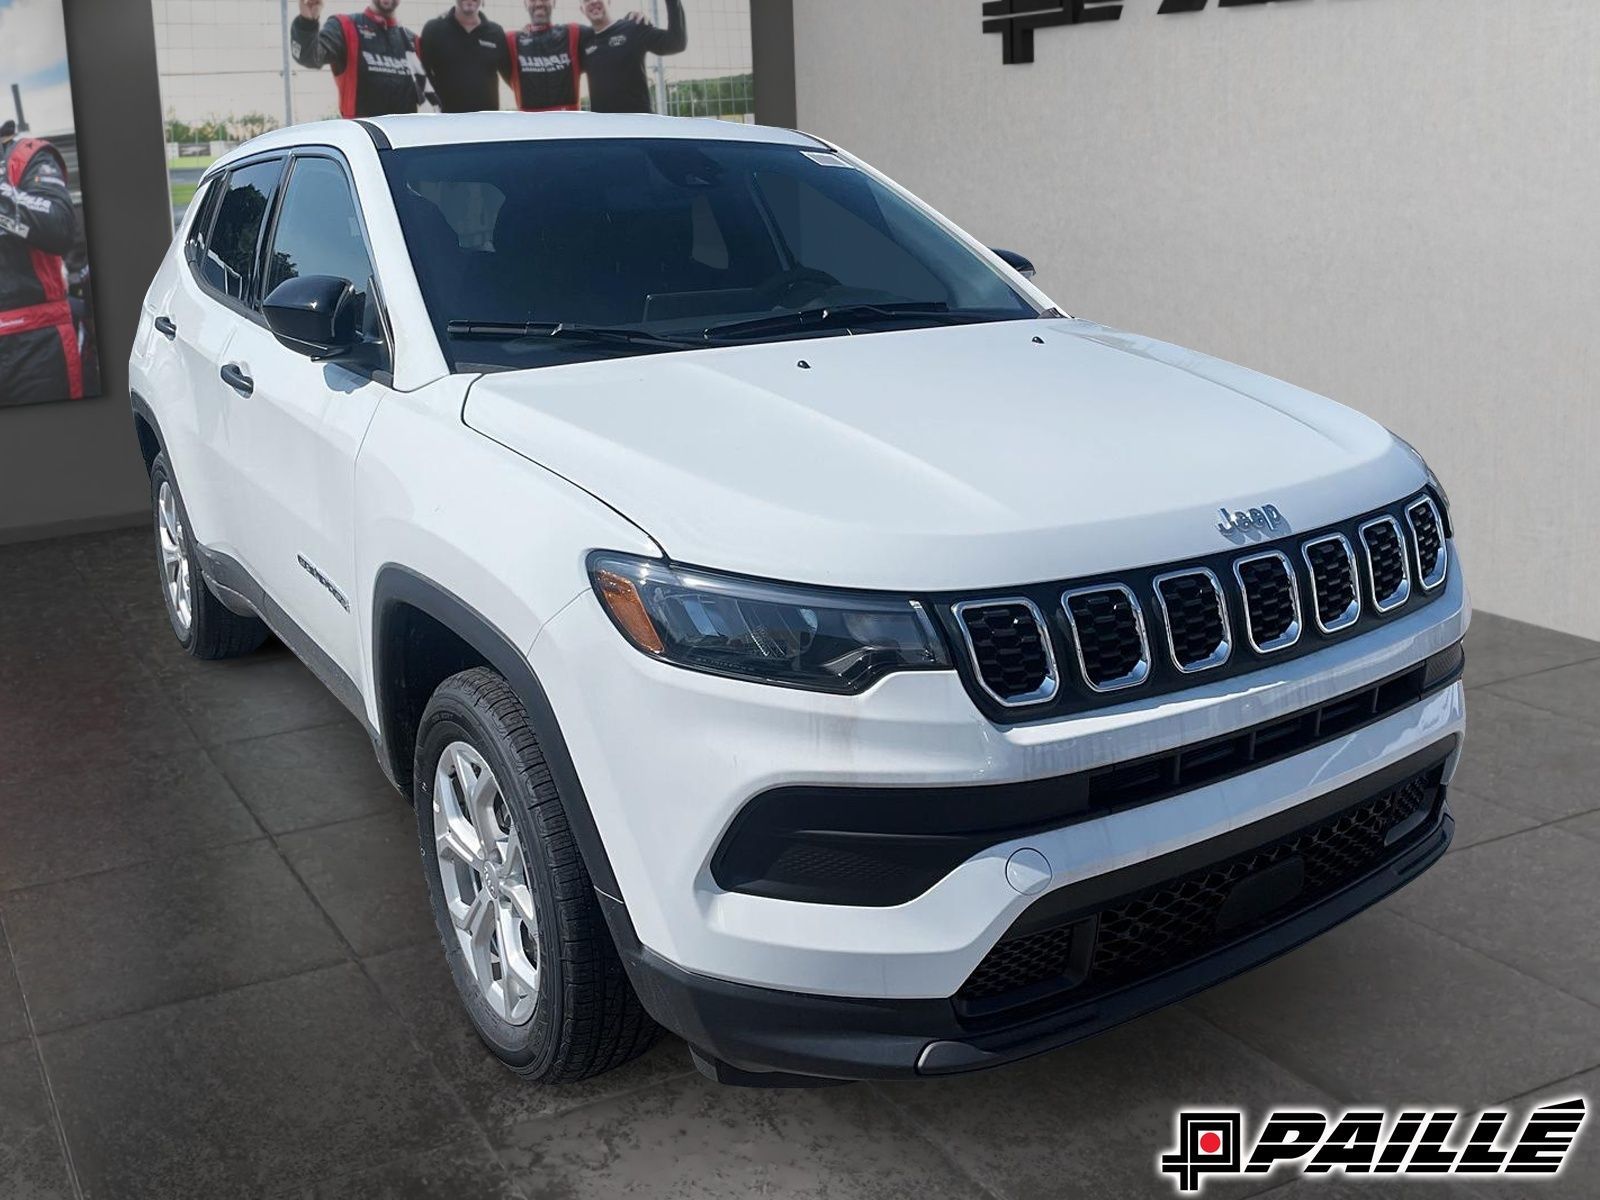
x=1387 y=569
x=1429 y=538
x=1009 y=650
x=1196 y=619
x=1335 y=589
x=1177 y=921
x=1271 y=601
x=1108 y=632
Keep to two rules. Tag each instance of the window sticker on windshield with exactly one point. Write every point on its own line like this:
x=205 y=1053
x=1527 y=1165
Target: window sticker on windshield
x=827 y=159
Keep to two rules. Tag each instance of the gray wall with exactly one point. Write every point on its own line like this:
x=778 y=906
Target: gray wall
x=1392 y=202
x=772 y=53
x=75 y=465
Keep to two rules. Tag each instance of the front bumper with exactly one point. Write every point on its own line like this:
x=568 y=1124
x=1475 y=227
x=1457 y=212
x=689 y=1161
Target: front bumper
x=669 y=758
x=759 y=1036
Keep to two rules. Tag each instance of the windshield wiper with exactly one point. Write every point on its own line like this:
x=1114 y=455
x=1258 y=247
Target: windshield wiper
x=844 y=316
x=511 y=330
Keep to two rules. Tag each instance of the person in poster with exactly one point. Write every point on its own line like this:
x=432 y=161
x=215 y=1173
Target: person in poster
x=546 y=59
x=466 y=55
x=373 y=57
x=614 y=55
x=40 y=357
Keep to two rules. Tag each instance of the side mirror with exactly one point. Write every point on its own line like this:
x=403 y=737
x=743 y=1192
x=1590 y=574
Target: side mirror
x=315 y=315
x=1022 y=266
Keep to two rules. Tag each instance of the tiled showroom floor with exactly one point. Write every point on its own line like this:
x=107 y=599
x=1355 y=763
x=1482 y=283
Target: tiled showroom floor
x=218 y=977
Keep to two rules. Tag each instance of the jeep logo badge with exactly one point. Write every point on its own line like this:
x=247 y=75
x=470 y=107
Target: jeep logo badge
x=1261 y=520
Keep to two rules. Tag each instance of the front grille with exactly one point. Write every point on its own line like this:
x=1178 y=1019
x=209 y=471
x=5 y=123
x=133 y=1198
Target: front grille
x=1277 y=598
x=1196 y=619
x=1184 y=918
x=1429 y=538
x=1109 y=636
x=1387 y=569
x=1271 y=601
x=1335 y=590
x=1009 y=650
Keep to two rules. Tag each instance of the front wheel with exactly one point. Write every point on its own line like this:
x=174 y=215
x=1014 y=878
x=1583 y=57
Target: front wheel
x=523 y=933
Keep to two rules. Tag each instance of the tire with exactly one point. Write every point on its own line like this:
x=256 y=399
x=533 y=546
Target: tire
x=203 y=625
x=580 y=1016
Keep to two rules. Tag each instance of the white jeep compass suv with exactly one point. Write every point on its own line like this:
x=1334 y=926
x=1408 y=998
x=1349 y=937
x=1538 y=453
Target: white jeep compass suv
x=792 y=630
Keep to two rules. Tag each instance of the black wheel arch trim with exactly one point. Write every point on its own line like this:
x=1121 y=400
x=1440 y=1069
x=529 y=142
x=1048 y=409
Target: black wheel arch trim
x=396 y=585
x=143 y=412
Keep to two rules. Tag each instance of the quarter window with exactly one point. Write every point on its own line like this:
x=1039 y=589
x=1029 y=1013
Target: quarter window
x=229 y=262
x=204 y=206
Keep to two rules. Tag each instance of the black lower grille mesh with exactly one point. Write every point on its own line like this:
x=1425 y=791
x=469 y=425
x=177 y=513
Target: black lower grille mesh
x=1106 y=624
x=1430 y=541
x=1008 y=648
x=1387 y=555
x=1193 y=608
x=1333 y=580
x=1184 y=918
x=1269 y=600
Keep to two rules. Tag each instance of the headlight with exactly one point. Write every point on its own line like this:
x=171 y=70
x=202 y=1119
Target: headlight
x=770 y=632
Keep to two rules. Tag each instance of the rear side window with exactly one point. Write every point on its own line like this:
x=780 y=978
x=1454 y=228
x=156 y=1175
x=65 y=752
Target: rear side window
x=319 y=233
x=229 y=262
x=205 y=207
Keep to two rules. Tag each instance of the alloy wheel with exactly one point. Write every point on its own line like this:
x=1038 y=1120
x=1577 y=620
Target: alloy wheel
x=485 y=876
x=174 y=558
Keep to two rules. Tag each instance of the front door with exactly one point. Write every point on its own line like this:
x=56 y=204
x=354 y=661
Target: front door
x=296 y=425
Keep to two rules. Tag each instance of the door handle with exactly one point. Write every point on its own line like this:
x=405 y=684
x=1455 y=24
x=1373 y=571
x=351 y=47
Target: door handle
x=237 y=379
x=166 y=328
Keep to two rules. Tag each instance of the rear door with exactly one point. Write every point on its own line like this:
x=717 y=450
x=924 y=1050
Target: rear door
x=297 y=426
x=207 y=305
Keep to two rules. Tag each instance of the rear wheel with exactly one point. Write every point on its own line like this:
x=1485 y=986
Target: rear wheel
x=203 y=625
x=523 y=934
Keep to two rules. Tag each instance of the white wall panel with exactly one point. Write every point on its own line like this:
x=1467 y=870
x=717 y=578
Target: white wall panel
x=1393 y=202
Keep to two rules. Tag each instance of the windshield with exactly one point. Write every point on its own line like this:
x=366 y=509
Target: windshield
x=535 y=253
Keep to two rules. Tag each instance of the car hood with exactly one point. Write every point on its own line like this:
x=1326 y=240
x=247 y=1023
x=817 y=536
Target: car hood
x=961 y=457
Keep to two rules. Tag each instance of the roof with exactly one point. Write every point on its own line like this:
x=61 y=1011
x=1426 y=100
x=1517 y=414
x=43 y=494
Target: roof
x=437 y=129
x=433 y=129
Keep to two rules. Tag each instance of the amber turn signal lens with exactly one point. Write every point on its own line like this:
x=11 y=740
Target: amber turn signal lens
x=622 y=599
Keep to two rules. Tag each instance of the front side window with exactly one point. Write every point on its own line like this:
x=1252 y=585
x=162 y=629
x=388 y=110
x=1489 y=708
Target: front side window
x=229 y=262
x=543 y=252
x=318 y=232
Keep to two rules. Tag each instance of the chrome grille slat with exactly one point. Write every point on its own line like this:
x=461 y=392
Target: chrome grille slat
x=1108 y=635
x=1388 y=563
x=1271 y=596
x=1335 y=582
x=1427 y=539
x=1009 y=645
x=1194 y=614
